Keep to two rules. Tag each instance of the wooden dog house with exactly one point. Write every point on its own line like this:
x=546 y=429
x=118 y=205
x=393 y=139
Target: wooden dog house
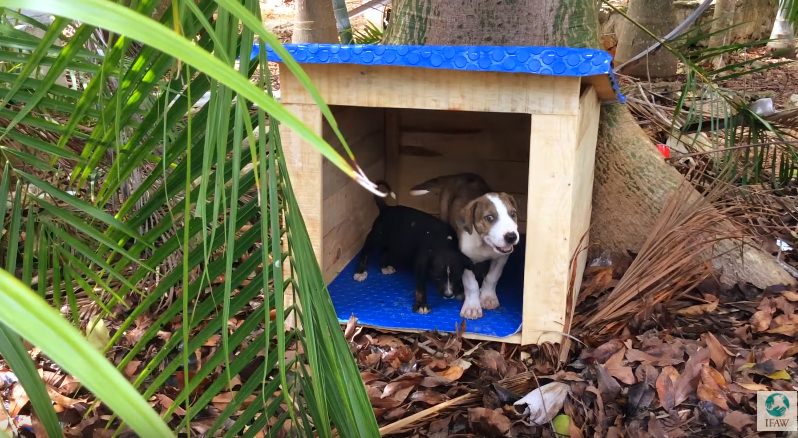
x=525 y=118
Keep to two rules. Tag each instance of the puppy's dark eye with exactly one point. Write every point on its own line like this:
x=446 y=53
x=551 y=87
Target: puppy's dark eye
x=512 y=214
x=490 y=218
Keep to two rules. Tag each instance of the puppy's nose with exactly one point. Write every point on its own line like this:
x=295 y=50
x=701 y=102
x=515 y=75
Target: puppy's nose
x=511 y=238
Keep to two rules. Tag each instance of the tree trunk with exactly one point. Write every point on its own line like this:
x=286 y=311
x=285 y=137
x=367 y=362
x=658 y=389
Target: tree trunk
x=657 y=17
x=723 y=19
x=342 y=21
x=315 y=22
x=632 y=180
x=783 y=35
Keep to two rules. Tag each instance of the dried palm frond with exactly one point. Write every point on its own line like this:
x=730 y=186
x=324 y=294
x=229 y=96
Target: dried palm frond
x=674 y=259
x=518 y=384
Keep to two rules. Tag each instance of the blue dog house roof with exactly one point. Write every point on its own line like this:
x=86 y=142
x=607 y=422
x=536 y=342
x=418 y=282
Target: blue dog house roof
x=549 y=61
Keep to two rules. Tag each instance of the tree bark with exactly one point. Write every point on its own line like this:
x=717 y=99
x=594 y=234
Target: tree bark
x=632 y=180
x=658 y=17
x=342 y=21
x=723 y=18
x=783 y=35
x=315 y=22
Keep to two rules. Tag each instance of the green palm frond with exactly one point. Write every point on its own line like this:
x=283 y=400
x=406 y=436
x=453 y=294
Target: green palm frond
x=369 y=34
x=157 y=192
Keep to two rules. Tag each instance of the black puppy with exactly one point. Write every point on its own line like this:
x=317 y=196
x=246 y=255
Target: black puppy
x=416 y=240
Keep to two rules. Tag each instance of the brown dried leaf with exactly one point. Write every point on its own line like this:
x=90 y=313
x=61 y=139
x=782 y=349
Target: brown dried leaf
x=707 y=372
x=350 y=330
x=569 y=376
x=64 y=383
x=787 y=330
x=488 y=421
x=700 y=309
x=614 y=432
x=213 y=341
x=370 y=360
x=398 y=356
x=655 y=428
x=760 y=321
x=603 y=352
x=776 y=350
x=712 y=387
x=615 y=367
x=640 y=397
x=785 y=306
x=428 y=397
x=664 y=358
x=738 y=420
x=395 y=414
x=222 y=400
x=142 y=324
x=167 y=402
x=717 y=352
x=634 y=355
x=62 y=400
x=687 y=383
x=754 y=386
x=608 y=386
x=574 y=431
x=439 y=428
x=601 y=281
x=368 y=376
x=452 y=373
x=131 y=368
x=434 y=381
x=399 y=389
x=493 y=360
x=378 y=403
x=388 y=341
x=790 y=295
x=397 y=386
x=665 y=387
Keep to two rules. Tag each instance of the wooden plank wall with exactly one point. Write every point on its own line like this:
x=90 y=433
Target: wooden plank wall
x=348 y=210
x=433 y=143
x=564 y=190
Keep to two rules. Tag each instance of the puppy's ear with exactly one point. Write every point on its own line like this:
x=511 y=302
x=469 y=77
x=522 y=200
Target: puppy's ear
x=508 y=198
x=466 y=219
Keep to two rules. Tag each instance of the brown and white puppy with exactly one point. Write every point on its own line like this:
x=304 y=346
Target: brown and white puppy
x=487 y=230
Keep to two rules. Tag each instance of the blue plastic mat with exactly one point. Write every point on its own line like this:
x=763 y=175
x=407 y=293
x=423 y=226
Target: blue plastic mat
x=386 y=301
x=550 y=61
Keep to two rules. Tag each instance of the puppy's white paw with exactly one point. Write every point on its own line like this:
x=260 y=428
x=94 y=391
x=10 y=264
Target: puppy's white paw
x=388 y=270
x=360 y=276
x=471 y=310
x=488 y=299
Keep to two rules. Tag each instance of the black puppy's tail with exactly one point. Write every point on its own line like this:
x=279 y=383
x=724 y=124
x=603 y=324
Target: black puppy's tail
x=383 y=185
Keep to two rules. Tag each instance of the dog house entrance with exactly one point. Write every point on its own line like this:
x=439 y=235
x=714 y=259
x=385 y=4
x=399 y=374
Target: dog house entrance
x=405 y=147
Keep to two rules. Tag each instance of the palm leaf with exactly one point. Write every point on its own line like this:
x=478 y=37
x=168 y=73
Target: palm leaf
x=190 y=199
x=14 y=352
x=27 y=313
